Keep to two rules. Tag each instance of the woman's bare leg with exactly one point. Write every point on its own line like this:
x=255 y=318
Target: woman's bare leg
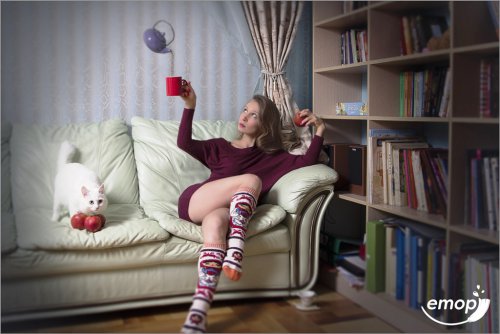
x=218 y=194
x=214 y=228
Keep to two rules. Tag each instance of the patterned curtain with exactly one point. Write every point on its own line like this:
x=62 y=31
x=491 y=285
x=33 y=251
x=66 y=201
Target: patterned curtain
x=273 y=25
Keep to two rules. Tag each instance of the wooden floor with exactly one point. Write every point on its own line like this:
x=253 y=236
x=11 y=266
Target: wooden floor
x=336 y=314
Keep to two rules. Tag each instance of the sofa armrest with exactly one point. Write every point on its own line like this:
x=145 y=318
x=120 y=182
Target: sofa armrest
x=291 y=189
x=304 y=194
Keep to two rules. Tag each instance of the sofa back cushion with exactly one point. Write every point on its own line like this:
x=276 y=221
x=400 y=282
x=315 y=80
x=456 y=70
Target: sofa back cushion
x=165 y=170
x=8 y=231
x=105 y=147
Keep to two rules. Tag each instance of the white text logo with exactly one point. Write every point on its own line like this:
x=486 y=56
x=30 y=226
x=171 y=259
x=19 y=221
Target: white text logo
x=479 y=307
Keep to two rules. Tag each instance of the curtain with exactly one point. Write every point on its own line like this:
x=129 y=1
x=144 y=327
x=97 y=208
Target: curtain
x=273 y=26
x=85 y=61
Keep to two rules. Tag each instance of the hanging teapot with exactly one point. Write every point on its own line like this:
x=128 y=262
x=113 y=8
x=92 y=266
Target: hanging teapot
x=155 y=39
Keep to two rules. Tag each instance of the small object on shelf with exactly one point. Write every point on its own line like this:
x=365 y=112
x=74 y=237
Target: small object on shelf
x=351 y=109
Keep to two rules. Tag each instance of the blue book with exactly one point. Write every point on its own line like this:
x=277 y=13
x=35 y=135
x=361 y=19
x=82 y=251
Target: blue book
x=400 y=264
x=422 y=271
x=436 y=271
x=413 y=270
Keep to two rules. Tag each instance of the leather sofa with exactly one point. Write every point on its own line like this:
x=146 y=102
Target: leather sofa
x=145 y=255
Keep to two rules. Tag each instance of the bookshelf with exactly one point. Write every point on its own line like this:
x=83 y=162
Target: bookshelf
x=472 y=37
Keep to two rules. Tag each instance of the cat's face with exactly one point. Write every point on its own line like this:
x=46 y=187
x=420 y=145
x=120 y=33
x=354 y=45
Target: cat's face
x=94 y=200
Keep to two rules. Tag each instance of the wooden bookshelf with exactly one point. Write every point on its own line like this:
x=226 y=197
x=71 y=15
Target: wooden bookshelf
x=472 y=38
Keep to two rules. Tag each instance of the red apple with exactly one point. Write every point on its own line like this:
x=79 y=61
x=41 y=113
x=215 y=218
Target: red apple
x=103 y=219
x=297 y=119
x=78 y=221
x=93 y=223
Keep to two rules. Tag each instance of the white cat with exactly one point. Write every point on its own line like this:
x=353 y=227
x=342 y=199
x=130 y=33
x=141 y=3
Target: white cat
x=77 y=188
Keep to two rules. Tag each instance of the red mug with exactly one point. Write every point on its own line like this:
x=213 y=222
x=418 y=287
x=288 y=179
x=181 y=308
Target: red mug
x=174 y=86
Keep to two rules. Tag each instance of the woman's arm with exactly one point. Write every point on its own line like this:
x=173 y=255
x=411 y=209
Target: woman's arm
x=185 y=141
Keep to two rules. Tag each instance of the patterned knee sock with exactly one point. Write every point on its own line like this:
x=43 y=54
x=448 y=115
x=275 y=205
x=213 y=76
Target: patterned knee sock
x=242 y=207
x=209 y=268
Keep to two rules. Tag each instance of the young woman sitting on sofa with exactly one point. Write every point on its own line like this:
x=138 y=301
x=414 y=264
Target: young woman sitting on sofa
x=241 y=171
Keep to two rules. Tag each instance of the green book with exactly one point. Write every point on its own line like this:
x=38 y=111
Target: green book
x=375 y=256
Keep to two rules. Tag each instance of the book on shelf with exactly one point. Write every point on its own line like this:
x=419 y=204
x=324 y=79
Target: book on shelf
x=375 y=256
x=396 y=185
x=493 y=9
x=481 y=189
x=473 y=264
x=376 y=173
x=354 y=46
x=418 y=29
x=488 y=87
x=419 y=261
x=425 y=93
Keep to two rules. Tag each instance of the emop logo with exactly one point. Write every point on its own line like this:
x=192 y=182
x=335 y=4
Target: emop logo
x=480 y=307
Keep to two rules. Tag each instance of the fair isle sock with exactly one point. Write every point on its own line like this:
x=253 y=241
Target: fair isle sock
x=242 y=207
x=209 y=268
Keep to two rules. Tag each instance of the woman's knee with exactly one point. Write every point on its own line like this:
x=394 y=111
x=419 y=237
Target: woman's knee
x=251 y=181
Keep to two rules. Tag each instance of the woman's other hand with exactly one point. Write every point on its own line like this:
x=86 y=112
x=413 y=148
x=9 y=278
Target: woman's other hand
x=311 y=119
x=189 y=96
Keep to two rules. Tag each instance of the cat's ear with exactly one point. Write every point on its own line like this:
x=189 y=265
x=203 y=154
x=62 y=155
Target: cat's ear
x=101 y=189
x=85 y=191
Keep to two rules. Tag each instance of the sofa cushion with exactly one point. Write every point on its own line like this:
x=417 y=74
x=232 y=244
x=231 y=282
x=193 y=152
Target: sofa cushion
x=105 y=147
x=165 y=170
x=266 y=216
x=125 y=226
x=8 y=230
x=174 y=251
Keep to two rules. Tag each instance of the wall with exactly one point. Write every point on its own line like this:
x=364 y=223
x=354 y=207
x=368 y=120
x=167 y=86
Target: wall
x=85 y=61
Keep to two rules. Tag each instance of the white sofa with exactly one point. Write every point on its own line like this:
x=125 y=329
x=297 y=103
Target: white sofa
x=145 y=255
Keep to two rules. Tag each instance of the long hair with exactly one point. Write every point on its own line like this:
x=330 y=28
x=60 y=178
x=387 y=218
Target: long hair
x=269 y=138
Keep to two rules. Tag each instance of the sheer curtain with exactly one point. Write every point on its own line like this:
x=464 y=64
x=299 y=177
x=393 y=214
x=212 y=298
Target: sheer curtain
x=273 y=25
x=85 y=61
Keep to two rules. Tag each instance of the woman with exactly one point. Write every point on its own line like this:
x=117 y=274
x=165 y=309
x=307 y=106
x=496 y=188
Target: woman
x=241 y=171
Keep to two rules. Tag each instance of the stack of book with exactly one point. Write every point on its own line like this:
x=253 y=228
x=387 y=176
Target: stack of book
x=488 y=87
x=406 y=260
x=407 y=172
x=424 y=92
x=354 y=46
x=475 y=264
x=481 y=189
x=417 y=30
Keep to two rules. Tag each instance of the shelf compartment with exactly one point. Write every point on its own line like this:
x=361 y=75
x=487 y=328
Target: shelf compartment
x=466 y=136
x=466 y=81
x=388 y=96
x=477 y=26
x=330 y=89
x=386 y=20
x=345 y=132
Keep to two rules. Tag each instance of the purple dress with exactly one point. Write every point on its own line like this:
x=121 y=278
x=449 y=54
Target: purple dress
x=225 y=160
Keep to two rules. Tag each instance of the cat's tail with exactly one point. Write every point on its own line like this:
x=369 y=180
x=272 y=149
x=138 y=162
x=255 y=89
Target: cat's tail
x=66 y=153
